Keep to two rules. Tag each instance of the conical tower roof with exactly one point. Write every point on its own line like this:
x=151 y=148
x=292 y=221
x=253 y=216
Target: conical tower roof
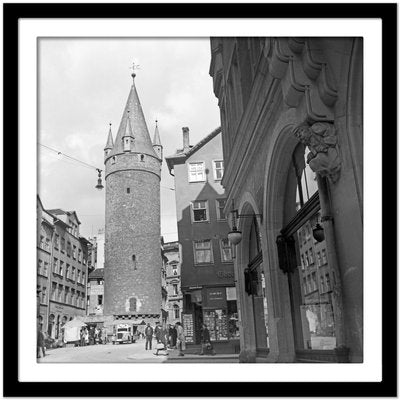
x=110 y=142
x=142 y=142
x=156 y=138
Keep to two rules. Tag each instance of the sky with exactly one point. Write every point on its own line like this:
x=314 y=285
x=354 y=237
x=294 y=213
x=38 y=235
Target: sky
x=83 y=86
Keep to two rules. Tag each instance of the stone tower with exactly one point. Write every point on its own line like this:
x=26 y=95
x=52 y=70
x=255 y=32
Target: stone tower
x=132 y=271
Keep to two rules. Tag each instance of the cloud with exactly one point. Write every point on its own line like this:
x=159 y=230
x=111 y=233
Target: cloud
x=83 y=86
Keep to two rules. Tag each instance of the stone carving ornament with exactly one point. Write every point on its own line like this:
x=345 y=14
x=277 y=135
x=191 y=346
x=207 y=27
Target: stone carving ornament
x=320 y=138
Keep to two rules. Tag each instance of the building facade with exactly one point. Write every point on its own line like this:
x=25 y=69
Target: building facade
x=292 y=133
x=44 y=248
x=207 y=277
x=95 y=293
x=132 y=279
x=62 y=269
x=173 y=282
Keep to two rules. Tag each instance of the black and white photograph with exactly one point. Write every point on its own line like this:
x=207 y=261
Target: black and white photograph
x=194 y=204
x=203 y=196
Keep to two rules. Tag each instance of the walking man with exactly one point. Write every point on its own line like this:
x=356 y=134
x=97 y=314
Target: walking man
x=149 y=335
x=181 y=344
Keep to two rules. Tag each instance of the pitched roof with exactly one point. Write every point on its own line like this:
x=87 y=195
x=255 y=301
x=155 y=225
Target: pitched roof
x=97 y=273
x=142 y=142
x=180 y=156
x=156 y=138
x=110 y=142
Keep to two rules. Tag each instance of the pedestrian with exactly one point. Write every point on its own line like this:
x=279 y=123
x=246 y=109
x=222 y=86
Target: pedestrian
x=162 y=344
x=40 y=343
x=82 y=336
x=180 y=340
x=206 y=345
x=157 y=332
x=86 y=337
x=174 y=335
x=149 y=335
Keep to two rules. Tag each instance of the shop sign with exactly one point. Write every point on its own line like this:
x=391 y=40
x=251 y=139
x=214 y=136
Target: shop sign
x=231 y=293
x=188 y=327
x=225 y=274
x=215 y=297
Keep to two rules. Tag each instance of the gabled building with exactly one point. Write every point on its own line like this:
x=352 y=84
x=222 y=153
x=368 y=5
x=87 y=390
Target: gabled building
x=207 y=278
x=173 y=281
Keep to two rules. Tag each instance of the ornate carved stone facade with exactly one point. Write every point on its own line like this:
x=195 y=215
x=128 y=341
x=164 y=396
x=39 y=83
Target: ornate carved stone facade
x=292 y=134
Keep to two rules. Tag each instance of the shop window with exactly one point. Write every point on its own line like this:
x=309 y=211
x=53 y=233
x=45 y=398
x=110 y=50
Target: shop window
x=203 y=252
x=200 y=211
x=196 y=172
x=220 y=209
x=312 y=306
x=226 y=251
x=218 y=169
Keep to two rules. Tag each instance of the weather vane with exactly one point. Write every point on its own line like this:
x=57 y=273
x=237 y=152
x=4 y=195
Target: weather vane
x=134 y=67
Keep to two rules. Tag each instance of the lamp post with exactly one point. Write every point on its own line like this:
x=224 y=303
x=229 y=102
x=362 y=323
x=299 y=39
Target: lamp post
x=235 y=236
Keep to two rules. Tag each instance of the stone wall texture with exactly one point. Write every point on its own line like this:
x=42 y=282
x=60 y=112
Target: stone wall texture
x=132 y=237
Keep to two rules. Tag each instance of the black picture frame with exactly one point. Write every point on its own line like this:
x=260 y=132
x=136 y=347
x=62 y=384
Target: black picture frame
x=12 y=12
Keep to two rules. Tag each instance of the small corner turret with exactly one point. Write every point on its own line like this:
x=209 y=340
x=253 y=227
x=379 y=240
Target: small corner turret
x=128 y=137
x=109 y=144
x=157 y=146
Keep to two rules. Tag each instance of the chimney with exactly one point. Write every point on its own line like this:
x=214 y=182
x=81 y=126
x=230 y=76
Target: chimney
x=185 y=139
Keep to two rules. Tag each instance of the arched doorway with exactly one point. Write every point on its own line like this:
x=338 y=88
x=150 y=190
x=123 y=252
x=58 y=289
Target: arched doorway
x=50 y=325
x=303 y=246
x=58 y=327
x=255 y=287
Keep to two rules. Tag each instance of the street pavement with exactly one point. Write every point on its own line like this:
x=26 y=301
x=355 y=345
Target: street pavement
x=128 y=353
x=104 y=353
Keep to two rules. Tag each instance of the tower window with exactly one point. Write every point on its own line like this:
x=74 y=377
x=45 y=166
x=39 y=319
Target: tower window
x=134 y=261
x=142 y=157
x=128 y=190
x=133 y=304
x=113 y=160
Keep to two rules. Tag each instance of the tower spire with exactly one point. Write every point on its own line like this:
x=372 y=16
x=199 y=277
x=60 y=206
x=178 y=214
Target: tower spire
x=109 y=144
x=133 y=125
x=157 y=146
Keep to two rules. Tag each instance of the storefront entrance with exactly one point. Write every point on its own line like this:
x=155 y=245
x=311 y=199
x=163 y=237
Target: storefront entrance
x=217 y=308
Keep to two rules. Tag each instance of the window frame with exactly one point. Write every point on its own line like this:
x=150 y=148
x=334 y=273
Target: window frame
x=221 y=251
x=218 y=209
x=211 y=252
x=192 y=209
x=215 y=169
x=189 y=172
